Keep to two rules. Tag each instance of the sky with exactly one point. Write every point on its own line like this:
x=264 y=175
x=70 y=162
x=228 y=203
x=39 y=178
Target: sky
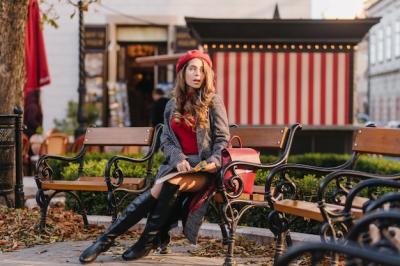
x=332 y=9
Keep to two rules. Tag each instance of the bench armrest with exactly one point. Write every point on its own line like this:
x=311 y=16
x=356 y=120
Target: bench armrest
x=113 y=170
x=284 y=181
x=391 y=198
x=117 y=171
x=343 y=188
x=43 y=171
x=372 y=181
x=344 y=176
x=235 y=180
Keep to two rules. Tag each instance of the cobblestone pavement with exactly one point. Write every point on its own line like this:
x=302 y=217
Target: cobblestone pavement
x=67 y=253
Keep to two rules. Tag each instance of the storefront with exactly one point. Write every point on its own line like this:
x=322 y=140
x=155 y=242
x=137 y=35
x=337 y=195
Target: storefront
x=133 y=42
x=283 y=71
x=126 y=101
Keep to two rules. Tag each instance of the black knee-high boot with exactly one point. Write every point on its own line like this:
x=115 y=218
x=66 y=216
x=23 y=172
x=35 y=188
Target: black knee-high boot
x=163 y=238
x=135 y=211
x=157 y=219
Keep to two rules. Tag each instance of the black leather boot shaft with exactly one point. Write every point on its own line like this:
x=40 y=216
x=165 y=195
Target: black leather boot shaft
x=133 y=213
x=155 y=222
x=163 y=238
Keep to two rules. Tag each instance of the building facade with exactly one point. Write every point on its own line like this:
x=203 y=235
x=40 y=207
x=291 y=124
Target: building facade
x=132 y=28
x=284 y=71
x=384 y=62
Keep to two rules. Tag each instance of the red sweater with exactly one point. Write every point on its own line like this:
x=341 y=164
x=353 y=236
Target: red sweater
x=186 y=136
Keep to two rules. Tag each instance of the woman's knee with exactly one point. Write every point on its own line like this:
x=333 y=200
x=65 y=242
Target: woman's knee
x=189 y=183
x=175 y=181
x=155 y=190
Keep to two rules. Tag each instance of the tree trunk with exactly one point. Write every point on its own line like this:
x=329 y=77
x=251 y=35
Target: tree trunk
x=13 y=14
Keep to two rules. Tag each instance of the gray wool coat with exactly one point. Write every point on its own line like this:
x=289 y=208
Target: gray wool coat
x=210 y=142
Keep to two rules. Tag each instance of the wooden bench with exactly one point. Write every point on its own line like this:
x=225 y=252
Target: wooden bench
x=231 y=203
x=373 y=238
x=351 y=253
x=347 y=216
x=127 y=136
x=330 y=213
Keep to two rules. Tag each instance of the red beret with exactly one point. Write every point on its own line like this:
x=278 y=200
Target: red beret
x=189 y=56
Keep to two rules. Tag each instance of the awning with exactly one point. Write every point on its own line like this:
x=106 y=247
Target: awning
x=159 y=60
x=37 y=73
x=312 y=31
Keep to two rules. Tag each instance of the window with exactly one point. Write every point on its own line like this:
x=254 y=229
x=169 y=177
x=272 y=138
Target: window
x=397 y=38
x=372 y=49
x=388 y=43
x=380 y=45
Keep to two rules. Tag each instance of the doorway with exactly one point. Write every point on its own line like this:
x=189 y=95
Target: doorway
x=140 y=80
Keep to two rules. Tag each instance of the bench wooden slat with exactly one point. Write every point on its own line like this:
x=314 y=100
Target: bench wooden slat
x=91 y=184
x=307 y=209
x=268 y=137
x=119 y=136
x=358 y=202
x=75 y=185
x=127 y=180
x=258 y=194
x=378 y=140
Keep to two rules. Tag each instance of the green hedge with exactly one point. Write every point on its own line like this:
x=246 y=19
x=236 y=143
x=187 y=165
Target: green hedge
x=65 y=170
x=307 y=184
x=94 y=165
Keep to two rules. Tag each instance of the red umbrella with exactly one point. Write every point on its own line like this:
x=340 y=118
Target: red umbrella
x=37 y=73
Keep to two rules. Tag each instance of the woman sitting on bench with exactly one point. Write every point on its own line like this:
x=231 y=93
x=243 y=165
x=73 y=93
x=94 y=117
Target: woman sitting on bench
x=195 y=130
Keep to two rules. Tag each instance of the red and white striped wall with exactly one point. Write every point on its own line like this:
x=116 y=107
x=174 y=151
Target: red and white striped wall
x=310 y=88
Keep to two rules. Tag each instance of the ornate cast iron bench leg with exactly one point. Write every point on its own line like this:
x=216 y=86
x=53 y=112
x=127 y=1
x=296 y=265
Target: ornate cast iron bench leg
x=229 y=258
x=218 y=209
x=232 y=217
x=224 y=232
x=82 y=209
x=43 y=202
x=279 y=226
x=112 y=205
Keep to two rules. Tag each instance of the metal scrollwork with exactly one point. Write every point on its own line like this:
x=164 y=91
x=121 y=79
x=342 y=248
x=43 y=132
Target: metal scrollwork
x=285 y=187
x=118 y=175
x=234 y=186
x=45 y=171
x=333 y=231
x=276 y=223
x=372 y=193
x=231 y=213
x=341 y=190
x=378 y=230
x=42 y=199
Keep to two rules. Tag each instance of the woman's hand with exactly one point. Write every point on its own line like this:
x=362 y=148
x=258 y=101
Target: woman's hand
x=211 y=168
x=183 y=166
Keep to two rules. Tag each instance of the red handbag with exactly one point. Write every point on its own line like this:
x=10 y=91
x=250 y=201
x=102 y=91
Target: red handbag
x=250 y=155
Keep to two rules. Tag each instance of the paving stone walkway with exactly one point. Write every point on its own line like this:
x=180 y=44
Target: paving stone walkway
x=67 y=253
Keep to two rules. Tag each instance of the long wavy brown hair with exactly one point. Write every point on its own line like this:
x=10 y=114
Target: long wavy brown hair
x=194 y=109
